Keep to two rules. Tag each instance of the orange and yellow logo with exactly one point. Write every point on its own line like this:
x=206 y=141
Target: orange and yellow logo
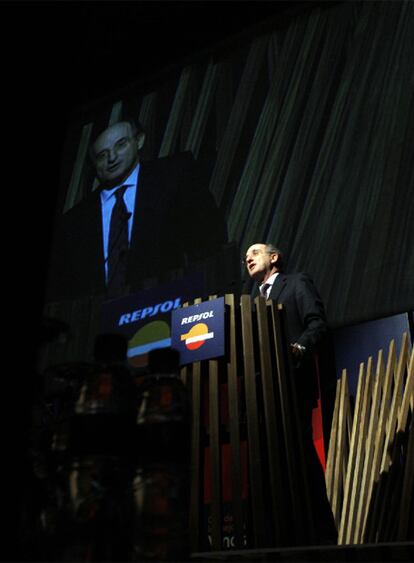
x=196 y=336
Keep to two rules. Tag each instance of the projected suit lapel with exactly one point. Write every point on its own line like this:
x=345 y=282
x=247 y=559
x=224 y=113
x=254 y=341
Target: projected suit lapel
x=86 y=234
x=151 y=217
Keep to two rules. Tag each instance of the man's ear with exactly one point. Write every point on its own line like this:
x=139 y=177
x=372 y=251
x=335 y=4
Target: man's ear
x=274 y=258
x=140 y=140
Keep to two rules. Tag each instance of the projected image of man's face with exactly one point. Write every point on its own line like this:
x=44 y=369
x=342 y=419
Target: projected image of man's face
x=116 y=153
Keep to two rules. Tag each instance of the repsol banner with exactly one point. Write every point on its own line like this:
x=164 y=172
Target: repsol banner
x=145 y=317
x=197 y=332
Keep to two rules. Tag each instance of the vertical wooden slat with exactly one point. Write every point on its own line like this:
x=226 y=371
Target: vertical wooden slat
x=233 y=395
x=407 y=495
x=287 y=417
x=255 y=461
x=340 y=447
x=214 y=432
x=380 y=430
x=388 y=479
x=355 y=491
x=375 y=509
x=304 y=528
x=369 y=448
x=387 y=522
x=349 y=419
x=395 y=403
x=196 y=490
x=278 y=491
x=407 y=397
x=215 y=450
x=350 y=469
x=330 y=460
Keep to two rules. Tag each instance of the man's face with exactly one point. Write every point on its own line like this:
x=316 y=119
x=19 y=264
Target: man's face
x=116 y=153
x=260 y=263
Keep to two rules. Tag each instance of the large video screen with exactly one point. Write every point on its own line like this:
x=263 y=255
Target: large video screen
x=299 y=135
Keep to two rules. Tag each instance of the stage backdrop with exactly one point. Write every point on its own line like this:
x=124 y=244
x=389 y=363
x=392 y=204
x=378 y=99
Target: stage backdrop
x=305 y=131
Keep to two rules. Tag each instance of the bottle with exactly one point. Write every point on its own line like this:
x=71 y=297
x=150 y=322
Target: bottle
x=97 y=507
x=162 y=463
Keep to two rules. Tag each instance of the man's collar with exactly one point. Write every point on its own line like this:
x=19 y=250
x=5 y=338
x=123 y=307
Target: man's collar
x=130 y=181
x=270 y=280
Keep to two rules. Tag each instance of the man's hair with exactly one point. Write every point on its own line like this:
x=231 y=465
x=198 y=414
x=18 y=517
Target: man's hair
x=273 y=249
x=134 y=122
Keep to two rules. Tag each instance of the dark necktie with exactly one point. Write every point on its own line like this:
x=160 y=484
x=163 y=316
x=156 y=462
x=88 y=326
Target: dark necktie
x=263 y=290
x=118 y=244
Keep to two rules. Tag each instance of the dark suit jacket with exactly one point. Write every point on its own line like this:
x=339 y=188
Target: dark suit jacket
x=304 y=308
x=306 y=323
x=176 y=222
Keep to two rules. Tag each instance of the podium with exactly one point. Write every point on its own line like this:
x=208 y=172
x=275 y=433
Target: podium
x=244 y=409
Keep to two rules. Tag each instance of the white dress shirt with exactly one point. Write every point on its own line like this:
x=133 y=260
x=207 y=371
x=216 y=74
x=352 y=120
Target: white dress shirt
x=269 y=283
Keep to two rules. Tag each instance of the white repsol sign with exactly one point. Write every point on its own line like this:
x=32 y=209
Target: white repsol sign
x=199 y=317
x=151 y=311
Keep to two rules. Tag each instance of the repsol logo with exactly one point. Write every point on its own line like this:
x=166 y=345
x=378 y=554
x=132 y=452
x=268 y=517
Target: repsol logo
x=141 y=314
x=199 y=317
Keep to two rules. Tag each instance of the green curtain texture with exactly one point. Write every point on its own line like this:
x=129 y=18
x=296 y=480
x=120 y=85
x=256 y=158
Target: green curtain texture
x=329 y=173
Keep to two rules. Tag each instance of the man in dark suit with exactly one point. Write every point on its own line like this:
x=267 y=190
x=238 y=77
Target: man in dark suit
x=170 y=219
x=307 y=327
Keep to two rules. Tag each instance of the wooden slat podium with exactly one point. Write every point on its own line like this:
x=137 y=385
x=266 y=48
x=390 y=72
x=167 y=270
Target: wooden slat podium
x=259 y=415
x=369 y=474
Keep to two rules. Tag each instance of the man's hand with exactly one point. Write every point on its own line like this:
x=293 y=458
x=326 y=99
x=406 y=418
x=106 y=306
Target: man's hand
x=298 y=350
